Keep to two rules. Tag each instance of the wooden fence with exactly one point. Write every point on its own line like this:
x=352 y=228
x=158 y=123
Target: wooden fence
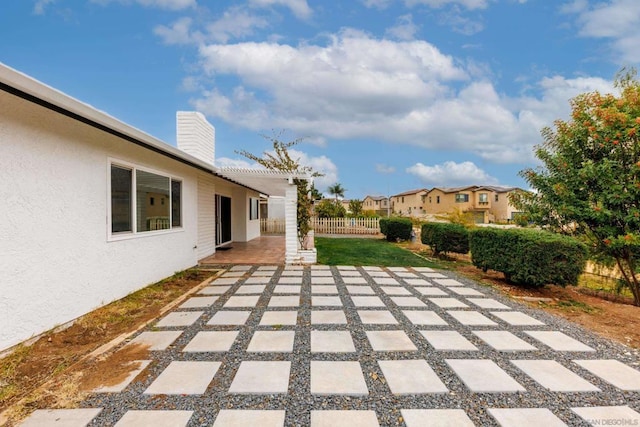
x=326 y=225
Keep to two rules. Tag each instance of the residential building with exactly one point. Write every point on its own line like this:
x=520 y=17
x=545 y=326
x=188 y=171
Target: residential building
x=486 y=203
x=409 y=203
x=378 y=204
x=94 y=209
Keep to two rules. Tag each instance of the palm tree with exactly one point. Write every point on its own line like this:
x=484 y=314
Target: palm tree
x=337 y=190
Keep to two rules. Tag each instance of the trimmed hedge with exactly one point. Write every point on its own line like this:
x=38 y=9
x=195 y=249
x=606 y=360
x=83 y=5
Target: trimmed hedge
x=396 y=228
x=528 y=257
x=445 y=237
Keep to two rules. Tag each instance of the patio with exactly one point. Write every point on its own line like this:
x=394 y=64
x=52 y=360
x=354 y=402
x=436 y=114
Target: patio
x=261 y=250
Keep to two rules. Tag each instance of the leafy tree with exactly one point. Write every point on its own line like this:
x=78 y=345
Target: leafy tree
x=315 y=194
x=336 y=190
x=355 y=206
x=280 y=159
x=329 y=209
x=589 y=184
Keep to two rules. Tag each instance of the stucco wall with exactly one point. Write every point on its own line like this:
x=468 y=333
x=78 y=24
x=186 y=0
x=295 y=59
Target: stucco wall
x=56 y=261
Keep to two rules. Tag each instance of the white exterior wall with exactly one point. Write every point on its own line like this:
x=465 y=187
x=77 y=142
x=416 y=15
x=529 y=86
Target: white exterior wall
x=206 y=215
x=56 y=261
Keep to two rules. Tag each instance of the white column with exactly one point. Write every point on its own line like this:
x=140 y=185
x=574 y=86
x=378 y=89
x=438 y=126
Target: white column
x=291 y=225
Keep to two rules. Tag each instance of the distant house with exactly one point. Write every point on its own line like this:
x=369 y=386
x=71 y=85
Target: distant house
x=409 y=203
x=94 y=209
x=486 y=203
x=378 y=204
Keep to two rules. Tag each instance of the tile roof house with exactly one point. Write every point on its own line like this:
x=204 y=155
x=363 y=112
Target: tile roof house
x=486 y=203
x=409 y=203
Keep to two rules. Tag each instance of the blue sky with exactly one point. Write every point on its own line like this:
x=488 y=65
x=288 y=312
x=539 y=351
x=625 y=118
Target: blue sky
x=390 y=95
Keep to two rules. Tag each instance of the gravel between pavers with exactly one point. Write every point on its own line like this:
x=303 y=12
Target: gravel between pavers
x=299 y=402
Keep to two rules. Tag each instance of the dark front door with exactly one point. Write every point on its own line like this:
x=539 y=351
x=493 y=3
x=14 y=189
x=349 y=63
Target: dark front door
x=223 y=220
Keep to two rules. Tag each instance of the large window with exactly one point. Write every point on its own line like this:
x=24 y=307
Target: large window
x=156 y=206
x=462 y=198
x=483 y=198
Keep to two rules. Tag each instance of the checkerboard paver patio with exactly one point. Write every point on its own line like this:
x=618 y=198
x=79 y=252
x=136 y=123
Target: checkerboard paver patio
x=362 y=346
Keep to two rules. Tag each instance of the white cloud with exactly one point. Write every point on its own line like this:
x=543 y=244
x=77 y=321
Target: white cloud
x=299 y=8
x=404 y=29
x=178 y=33
x=451 y=174
x=235 y=23
x=41 y=5
x=357 y=86
x=384 y=169
x=469 y=4
x=460 y=23
x=378 y=4
x=160 y=4
x=615 y=20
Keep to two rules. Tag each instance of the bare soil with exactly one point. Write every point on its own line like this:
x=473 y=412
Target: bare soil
x=55 y=372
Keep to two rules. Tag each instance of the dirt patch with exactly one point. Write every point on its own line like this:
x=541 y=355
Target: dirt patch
x=58 y=360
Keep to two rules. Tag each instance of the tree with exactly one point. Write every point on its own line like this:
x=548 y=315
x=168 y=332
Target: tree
x=315 y=194
x=336 y=190
x=280 y=159
x=355 y=206
x=329 y=209
x=589 y=184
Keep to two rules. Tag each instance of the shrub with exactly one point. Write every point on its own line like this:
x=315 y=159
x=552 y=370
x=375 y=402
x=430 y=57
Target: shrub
x=396 y=228
x=528 y=257
x=330 y=209
x=445 y=237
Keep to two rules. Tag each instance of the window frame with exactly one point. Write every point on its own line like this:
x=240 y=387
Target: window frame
x=134 y=233
x=254 y=211
x=462 y=198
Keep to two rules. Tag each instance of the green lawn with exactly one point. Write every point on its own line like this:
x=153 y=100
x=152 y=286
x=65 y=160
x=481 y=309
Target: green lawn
x=353 y=251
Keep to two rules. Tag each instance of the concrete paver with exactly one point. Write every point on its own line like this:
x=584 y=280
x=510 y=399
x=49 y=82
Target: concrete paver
x=559 y=341
x=211 y=341
x=261 y=377
x=484 y=376
x=608 y=415
x=525 y=417
x=155 y=418
x=279 y=318
x=517 y=318
x=424 y=317
x=272 y=341
x=436 y=418
x=229 y=318
x=614 y=372
x=377 y=317
x=338 y=345
x=411 y=377
x=342 y=418
x=331 y=342
x=249 y=418
x=504 y=341
x=337 y=377
x=448 y=341
x=156 y=340
x=184 y=377
x=324 y=317
x=553 y=376
x=179 y=318
x=61 y=417
x=390 y=341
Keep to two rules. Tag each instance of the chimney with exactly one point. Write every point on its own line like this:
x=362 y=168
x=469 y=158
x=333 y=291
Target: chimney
x=195 y=135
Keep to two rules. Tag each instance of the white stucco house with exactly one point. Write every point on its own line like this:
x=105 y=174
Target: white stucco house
x=94 y=209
